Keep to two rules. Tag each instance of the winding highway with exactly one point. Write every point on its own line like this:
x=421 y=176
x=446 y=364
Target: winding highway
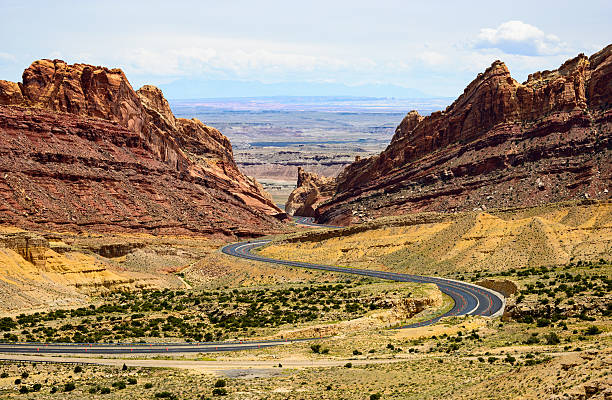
x=468 y=299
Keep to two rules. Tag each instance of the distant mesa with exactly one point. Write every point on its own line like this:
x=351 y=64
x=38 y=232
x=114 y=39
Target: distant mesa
x=500 y=144
x=81 y=150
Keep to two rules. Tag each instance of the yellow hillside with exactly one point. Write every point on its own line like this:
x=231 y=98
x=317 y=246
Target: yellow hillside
x=494 y=241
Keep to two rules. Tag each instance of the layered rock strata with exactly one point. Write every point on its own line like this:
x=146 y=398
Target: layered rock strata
x=81 y=150
x=500 y=144
x=311 y=191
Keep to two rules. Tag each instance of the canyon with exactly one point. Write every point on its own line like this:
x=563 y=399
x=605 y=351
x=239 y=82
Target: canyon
x=500 y=144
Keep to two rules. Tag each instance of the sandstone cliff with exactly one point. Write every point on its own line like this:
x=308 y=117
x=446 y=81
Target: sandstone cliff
x=81 y=150
x=500 y=144
x=311 y=191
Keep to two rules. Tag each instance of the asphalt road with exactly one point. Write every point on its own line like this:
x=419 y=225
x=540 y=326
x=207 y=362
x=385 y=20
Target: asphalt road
x=137 y=348
x=309 y=221
x=468 y=298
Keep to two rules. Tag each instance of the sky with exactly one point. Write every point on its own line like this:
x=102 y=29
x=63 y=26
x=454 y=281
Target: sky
x=434 y=47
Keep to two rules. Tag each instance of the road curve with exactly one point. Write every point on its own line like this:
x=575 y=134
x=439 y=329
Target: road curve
x=469 y=299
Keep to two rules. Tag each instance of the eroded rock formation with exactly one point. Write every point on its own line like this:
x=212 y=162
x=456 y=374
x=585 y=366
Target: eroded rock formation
x=311 y=191
x=500 y=144
x=81 y=150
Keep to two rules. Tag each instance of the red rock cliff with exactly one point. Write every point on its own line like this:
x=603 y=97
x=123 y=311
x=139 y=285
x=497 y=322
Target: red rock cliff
x=80 y=149
x=501 y=143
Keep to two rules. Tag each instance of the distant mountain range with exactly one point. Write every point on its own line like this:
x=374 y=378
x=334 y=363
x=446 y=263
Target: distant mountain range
x=197 y=89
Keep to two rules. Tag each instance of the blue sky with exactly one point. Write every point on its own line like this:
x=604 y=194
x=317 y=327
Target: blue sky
x=436 y=47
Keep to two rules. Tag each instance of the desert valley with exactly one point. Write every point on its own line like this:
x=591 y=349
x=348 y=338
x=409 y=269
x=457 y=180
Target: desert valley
x=306 y=247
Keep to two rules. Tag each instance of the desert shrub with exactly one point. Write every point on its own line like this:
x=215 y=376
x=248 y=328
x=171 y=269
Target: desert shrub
x=375 y=396
x=119 y=385
x=220 y=383
x=357 y=353
x=24 y=390
x=148 y=385
x=348 y=365
x=316 y=348
x=220 y=391
x=132 y=381
x=78 y=369
x=105 y=390
x=552 y=338
x=165 y=395
x=592 y=330
x=542 y=322
x=69 y=387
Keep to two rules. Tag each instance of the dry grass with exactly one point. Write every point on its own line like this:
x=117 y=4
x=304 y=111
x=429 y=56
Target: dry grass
x=439 y=244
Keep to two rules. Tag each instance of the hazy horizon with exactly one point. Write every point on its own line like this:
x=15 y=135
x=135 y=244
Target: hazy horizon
x=390 y=49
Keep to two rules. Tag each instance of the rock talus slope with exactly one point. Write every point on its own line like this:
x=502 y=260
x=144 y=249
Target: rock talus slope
x=500 y=144
x=81 y=150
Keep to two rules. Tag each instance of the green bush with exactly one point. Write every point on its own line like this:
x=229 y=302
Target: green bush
x=69 y=387
x=375 y=396
x=148 y=385
x=219 y=391
x=78 y=369
x=105 y=390
x=592 y=330
x=348 y=365
x=220 y=383
x=119 y=385
x=165 y=395
x=552 y=338
x=24 y=390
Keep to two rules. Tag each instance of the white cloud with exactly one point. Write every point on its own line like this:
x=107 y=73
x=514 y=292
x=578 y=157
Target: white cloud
x=433 y=58
x=233 y=58
x=517 y=37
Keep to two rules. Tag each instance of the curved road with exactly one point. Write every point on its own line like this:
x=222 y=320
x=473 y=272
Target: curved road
x=468 y=298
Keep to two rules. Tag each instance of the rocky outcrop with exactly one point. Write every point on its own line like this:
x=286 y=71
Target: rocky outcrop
x=311 y=191
x=31 y=247
x=505 y=287
x=81 y=150
x=500 y=144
